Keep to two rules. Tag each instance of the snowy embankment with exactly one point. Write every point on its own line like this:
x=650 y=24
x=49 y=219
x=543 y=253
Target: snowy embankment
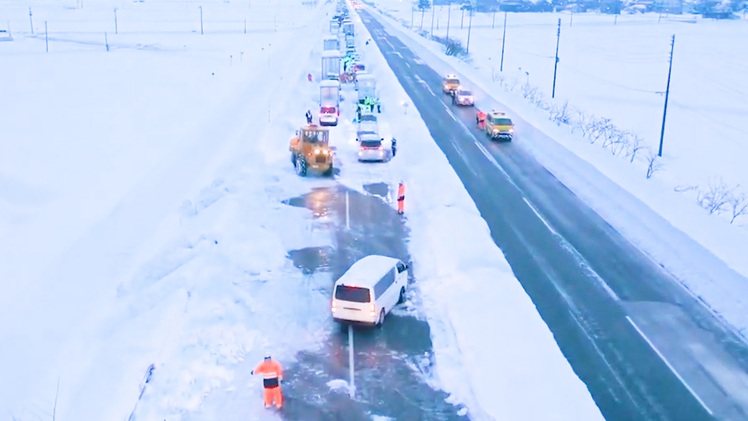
x=109 y=272
x=498 y=361
x=705 y=252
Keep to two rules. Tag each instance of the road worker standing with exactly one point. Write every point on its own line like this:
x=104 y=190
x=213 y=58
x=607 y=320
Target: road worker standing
x=401 y=198
x=480 y=119
x=272 y=375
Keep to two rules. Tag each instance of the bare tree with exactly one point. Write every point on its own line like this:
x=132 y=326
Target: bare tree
x=612 y=136
x=635 y=145
x=619 y=144
x=654 y=164
x=738 y=206
x=57 y=393
x=715 y=198
x=529 y=92
x=600 y=129
x=586 y=123
x=496 y=76
x=561 y=114
x=539 y=101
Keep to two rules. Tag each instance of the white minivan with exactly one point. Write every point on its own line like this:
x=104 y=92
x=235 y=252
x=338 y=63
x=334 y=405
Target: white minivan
x=369 y=290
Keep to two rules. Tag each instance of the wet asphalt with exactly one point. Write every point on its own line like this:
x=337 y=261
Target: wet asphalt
x=607 y=303
x=393 y=363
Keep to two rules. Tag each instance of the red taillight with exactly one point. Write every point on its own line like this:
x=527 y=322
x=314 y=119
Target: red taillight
x=332 y=306
x=372 y=309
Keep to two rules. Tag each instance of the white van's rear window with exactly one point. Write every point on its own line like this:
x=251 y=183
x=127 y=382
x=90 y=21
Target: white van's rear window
x=353 y=294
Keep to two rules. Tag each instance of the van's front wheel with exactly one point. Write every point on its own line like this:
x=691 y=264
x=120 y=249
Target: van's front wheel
x=402 y=296
x=380 y=322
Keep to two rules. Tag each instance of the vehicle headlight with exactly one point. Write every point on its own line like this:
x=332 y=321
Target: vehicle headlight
x=317 y=151
x=511 y=131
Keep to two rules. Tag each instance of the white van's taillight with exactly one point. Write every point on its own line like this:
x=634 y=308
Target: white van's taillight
x=372 y=310
x=332 y=306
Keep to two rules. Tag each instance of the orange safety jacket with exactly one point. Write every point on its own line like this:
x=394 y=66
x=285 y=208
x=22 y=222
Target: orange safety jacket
x=481 y=116
x=401 y=192
x=272 y=373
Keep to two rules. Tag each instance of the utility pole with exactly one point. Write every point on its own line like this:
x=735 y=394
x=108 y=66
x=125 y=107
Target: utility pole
x=555 y=63
x=433 y=11
x=116 y=30
x=470 y=25
x=503 y=42
x=31 y=21
x=449 y=13
x=667 y=93
x=462 y=16
x=201 y=20
x=412 y=13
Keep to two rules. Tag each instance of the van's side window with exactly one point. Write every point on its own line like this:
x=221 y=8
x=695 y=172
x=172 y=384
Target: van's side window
x=387 y=280
x=400 y=267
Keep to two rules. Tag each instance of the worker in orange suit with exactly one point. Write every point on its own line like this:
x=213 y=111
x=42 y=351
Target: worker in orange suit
x=401 y=198
x=272 y=375
x=480 y=119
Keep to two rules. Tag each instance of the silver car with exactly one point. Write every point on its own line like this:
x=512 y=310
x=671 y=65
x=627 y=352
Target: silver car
x=373 y=148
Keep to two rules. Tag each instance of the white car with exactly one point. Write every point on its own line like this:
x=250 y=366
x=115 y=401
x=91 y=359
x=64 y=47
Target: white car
x=463 y=96
x=371 y=147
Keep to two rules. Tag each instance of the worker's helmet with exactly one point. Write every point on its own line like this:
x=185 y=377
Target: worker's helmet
x=267 y=356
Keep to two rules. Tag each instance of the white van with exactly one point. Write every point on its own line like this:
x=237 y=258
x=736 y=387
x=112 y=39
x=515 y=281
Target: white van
x=369 y=290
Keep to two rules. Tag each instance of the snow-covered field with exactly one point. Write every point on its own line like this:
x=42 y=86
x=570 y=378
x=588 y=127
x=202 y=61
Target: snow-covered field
x=142 y=175
x=614 y=68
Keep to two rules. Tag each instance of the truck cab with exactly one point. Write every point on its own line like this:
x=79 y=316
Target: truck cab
x=450 y=83
x=310 y=150
x=499 y=126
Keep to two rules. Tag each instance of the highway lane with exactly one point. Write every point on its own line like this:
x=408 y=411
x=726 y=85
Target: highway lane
x=392 y=363
x=645 y=347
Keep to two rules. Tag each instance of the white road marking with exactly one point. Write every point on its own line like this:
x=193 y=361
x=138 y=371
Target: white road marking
x=425 y=85
x=574 y=313
x=577 y=255
x=494 y=162
x=407 y=64
x=446 y=107
x=550 y=228
x=662 y=357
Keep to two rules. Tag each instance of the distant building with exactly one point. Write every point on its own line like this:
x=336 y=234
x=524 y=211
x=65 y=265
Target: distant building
x=673 y=7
